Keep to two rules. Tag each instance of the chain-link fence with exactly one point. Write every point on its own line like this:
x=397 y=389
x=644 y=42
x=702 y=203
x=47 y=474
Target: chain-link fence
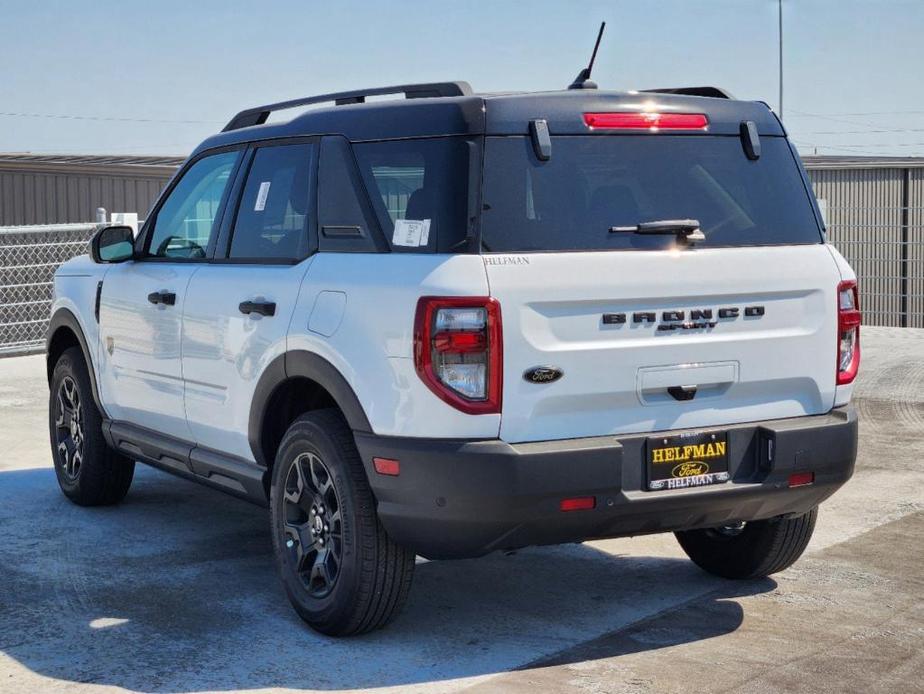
x=29 y=256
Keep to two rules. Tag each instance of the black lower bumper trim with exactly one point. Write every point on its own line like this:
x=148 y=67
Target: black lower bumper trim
x=462 y=498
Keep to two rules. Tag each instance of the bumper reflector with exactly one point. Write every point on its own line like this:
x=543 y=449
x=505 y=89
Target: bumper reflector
x=800 y=479
x=387 y=466
x=578 y=503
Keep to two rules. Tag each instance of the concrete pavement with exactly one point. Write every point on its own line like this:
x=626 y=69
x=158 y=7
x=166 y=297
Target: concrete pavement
x=175 y=591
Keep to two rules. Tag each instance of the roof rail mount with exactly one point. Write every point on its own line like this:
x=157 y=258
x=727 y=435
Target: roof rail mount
x=714 y=92
x=259 y=114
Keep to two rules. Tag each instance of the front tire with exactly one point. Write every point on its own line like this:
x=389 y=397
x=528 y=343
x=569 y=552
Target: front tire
x=341 y=571
x=751 y=550
x=88 y=471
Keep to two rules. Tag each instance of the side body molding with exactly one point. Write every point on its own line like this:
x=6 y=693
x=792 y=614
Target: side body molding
x=301 y=364
x=64 y=318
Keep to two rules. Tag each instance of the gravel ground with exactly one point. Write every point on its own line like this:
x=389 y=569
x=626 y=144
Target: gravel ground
x=174 y=591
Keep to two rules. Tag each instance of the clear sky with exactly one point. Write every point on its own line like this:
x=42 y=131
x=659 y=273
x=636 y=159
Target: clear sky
x=156 y=77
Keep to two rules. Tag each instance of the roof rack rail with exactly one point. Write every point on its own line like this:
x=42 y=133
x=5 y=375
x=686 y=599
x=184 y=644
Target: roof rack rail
x=259 y=114
x=714 y=92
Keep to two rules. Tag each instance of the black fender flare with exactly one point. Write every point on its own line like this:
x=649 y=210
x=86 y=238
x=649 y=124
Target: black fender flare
x=301 y=364
x=63 y=319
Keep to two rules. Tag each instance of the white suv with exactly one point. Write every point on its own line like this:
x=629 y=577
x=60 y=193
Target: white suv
x=455 y=323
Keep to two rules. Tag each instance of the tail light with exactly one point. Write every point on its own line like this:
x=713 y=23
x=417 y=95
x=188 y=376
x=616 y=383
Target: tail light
x=458 y=351
x=652 y=122
x=848 y=332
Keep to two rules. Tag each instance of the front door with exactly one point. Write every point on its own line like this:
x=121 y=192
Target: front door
x=238 y=308
x=141 y=303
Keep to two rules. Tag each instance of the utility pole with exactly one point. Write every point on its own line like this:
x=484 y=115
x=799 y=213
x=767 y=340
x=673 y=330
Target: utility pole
x=780 y=14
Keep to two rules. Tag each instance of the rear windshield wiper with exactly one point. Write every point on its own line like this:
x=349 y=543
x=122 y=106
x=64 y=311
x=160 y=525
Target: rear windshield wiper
x=683 y=229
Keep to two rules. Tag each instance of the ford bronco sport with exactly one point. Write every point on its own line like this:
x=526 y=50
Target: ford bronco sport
x=453 y=323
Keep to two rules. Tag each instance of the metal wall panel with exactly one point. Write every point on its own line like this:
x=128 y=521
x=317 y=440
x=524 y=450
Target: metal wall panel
x=864 y=218
x=916 y=248
x=60 y=197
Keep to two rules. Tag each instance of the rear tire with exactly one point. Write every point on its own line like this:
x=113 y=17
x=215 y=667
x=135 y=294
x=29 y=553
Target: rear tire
x=88 y=471
x=341 y=571
x=758 y=549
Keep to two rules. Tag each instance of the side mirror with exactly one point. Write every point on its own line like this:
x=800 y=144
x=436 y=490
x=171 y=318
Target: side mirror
x=113 y=244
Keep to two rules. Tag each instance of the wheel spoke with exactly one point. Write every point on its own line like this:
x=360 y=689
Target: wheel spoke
x=319 y=570
x=302 y=542
x=70 y=390
x=294 y=543
x=295 y=496
x=334 y=519
x=64 y=455
x=320 y=478
x=76 y=462
x=62 y=422
x=78 y=425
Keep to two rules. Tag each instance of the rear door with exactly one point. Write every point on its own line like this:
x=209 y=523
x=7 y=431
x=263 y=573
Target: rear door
x=142 y=301
x=651 y=333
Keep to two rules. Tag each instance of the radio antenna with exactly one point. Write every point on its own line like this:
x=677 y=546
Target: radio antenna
x=583 y=81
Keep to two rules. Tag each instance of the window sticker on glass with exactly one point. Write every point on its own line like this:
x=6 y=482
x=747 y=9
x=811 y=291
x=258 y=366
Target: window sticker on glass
x=411 y=232
x=262 y=194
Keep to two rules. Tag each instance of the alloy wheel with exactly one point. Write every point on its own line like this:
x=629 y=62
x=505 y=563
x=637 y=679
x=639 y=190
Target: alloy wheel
x=69 y=432
x=313 y=524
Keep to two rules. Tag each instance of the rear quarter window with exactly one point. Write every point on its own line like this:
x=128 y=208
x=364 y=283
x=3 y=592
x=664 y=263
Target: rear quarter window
x=593 y=183
x=418 y=180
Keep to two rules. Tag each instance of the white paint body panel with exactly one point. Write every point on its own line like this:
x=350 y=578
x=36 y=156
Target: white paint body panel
x=372 y=346
x=552 y=315
x=225 y=351
x=141 y=380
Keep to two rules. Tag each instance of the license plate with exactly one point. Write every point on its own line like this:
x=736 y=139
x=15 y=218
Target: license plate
x=687 y=460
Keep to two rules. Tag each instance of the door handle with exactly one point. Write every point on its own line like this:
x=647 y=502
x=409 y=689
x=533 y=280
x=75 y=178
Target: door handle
x=682 y=393
x=167 y=298
x=264 y=308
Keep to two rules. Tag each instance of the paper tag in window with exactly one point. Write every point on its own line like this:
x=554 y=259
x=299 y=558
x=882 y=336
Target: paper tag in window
x=261 y=197
x=411 y=232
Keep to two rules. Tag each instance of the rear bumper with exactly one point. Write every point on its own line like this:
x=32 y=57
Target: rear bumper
x=460 y=498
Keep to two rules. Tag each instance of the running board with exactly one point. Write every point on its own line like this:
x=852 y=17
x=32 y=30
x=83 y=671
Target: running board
x=235 y=476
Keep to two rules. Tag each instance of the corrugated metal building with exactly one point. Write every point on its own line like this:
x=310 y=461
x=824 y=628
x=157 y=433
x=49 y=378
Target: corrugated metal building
x=874 y=207
x=61 y=189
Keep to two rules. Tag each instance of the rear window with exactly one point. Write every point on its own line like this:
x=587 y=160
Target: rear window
x=592 y=183
x=423 y=181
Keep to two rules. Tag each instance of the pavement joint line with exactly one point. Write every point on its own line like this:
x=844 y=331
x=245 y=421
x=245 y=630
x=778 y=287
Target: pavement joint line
x=705 y=594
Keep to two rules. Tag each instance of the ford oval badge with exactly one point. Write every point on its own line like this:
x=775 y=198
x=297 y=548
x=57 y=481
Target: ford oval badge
x=543 y=374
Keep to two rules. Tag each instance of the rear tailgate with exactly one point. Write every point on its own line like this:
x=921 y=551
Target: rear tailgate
x=618 y=376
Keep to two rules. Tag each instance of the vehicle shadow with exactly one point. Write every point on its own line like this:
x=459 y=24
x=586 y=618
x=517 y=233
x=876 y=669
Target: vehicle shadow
x=175 y=591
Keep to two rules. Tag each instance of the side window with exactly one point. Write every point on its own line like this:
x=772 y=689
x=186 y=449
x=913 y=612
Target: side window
x=398 y=181
x=272 y=219
x=419 y=188
x=186 y=220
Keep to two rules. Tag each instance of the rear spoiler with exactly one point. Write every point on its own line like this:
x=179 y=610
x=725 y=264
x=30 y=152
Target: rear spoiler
x=714 y=92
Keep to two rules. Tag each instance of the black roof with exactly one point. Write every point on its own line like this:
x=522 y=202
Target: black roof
x=491 y=114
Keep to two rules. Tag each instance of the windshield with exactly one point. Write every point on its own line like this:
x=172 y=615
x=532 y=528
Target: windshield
x=594 y=183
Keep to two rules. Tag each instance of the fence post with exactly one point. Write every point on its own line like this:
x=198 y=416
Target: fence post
x=906 y=186
x=100 y=215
